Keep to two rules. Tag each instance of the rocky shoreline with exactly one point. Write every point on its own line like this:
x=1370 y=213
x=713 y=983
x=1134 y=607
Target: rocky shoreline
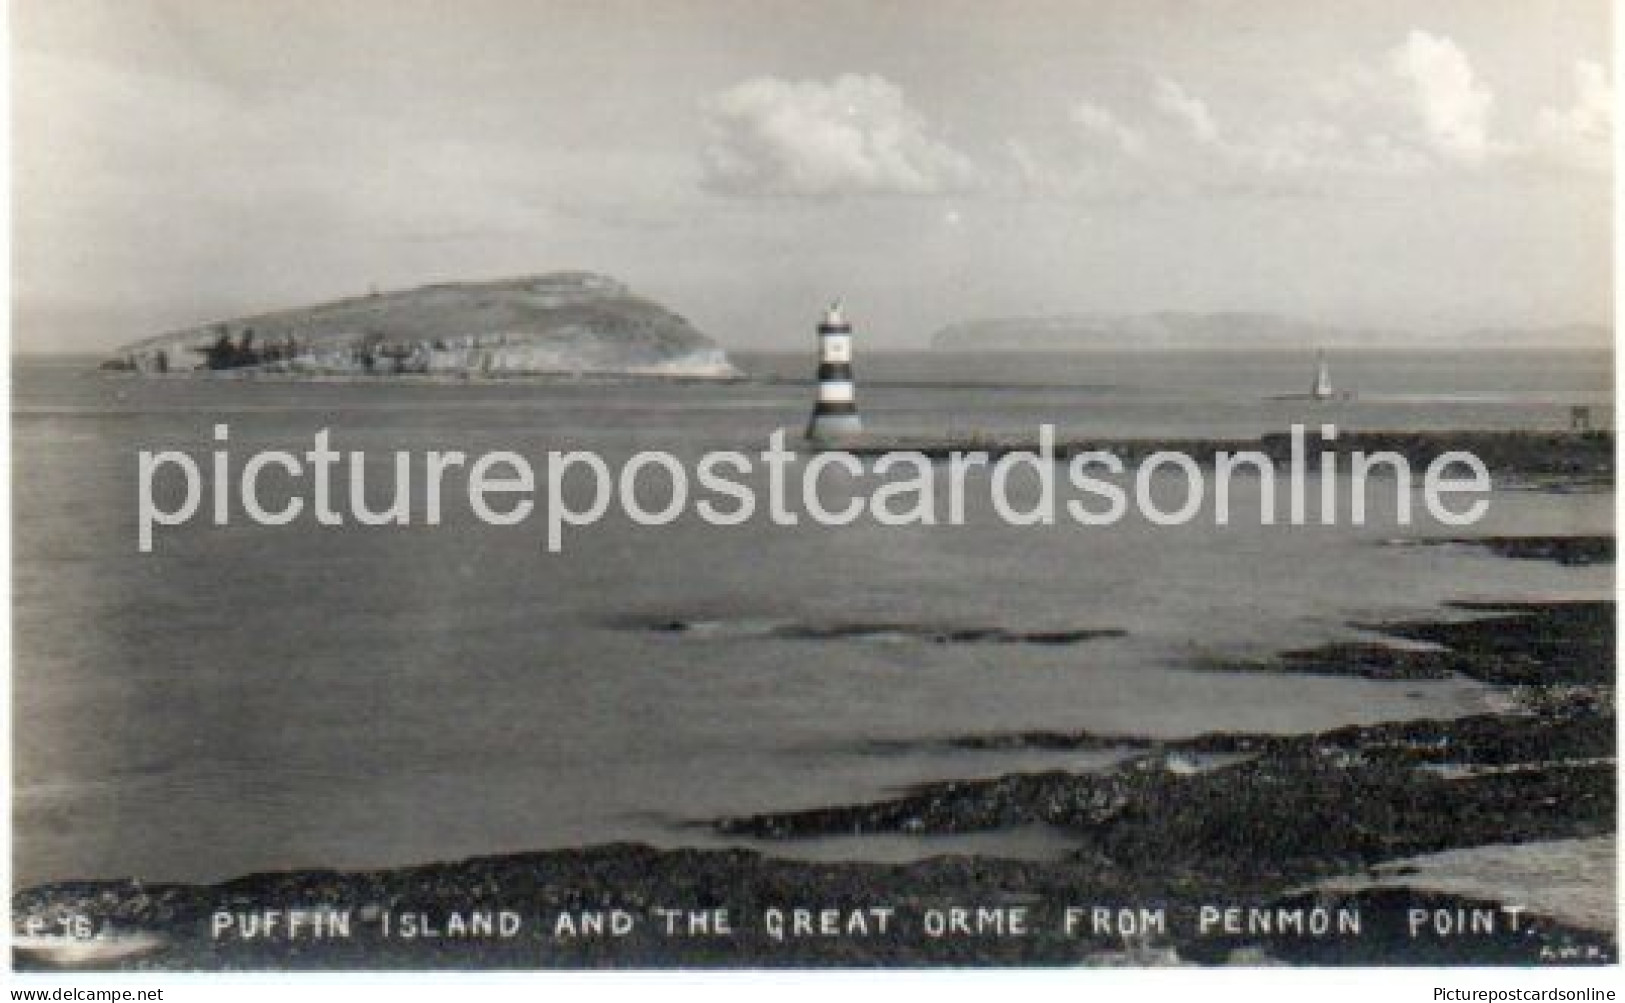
x=1570 y=551
x=1282 y=828
x=1573 y=457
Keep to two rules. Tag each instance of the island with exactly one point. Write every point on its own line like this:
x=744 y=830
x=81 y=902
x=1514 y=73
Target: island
x=573 y=323
x=1174 y=330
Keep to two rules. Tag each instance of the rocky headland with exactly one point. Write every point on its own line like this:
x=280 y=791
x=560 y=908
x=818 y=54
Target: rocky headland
x=1176 y=330
x=573 y=323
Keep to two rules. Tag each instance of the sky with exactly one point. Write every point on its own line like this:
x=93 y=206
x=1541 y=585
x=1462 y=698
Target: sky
x=1373 y=163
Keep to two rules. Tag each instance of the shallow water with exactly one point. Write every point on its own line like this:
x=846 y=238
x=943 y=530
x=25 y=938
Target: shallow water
x=250 y=698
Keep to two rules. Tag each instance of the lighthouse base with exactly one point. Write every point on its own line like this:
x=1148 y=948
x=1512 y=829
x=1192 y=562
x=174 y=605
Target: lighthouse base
x=834 y=426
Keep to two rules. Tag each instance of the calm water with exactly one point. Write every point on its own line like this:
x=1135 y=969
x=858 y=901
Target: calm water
x=251 y=698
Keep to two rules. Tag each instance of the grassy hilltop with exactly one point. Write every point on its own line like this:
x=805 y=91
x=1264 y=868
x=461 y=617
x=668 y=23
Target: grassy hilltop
x=563 y=322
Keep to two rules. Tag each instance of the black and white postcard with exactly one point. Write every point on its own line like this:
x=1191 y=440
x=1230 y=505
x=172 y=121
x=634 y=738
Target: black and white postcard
x=774 y=484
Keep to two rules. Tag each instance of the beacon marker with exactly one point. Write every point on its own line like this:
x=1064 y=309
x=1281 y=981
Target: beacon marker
x=835 y=413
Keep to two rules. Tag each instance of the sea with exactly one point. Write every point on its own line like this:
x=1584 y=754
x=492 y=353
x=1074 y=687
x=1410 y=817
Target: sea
x=251 y=698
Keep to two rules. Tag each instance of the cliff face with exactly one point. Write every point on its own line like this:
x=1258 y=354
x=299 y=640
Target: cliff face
x=564 y=322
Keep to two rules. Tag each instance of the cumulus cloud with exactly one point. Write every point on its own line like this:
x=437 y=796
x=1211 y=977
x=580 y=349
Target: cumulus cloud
x=1419 y=107
x=1099 y=124
x=1584 y=131
x=1415 y=108
x=1454 y=105
x=1289 y=151
x=1172 y=100
x=854 y=135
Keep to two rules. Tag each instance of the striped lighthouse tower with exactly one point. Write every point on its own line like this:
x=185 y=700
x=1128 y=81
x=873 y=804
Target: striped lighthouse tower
x=836 y=412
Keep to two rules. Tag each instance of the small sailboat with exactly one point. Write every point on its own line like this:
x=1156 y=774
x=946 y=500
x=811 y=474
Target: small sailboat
x=1322 y=390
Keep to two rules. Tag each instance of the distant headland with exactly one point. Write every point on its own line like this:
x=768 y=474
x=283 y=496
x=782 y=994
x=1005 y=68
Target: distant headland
x=578 y=323
x=1236 y=330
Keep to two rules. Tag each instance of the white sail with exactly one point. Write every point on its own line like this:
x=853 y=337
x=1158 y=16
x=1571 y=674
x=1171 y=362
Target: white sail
x=1323 y=380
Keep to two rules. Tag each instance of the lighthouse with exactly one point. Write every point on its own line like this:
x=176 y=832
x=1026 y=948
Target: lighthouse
x=836 y=411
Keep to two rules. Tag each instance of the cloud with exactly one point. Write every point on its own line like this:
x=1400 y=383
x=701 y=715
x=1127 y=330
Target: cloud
x=1173 y=101
x=1453 y=104
x=1178 y=145
x=1100 y=124
x=1416 y=109
x=856 y=135
x=1582 y=133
